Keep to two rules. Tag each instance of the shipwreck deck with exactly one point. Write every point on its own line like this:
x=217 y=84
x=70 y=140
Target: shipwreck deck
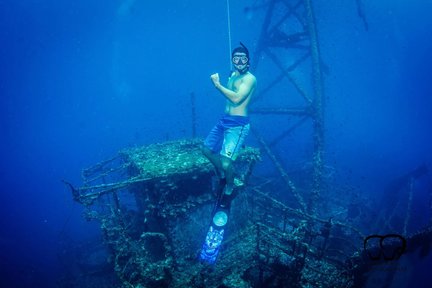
x=154 y=204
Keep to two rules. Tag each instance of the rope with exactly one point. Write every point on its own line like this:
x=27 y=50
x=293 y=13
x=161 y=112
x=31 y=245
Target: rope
x=229 y=32
x=410 y=198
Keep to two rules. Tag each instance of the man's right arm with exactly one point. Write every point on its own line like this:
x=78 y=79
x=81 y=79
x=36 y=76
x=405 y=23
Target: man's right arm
x=243 y=92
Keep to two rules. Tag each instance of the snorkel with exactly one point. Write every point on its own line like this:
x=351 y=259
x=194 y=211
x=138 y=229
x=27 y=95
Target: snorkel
x=240 y=58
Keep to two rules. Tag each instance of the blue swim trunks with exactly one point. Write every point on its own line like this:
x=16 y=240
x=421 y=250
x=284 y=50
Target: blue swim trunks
x=228 y=135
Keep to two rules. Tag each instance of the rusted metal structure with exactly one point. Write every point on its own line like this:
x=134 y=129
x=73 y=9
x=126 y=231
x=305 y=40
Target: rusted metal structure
x=154 y=204
x=289 y=29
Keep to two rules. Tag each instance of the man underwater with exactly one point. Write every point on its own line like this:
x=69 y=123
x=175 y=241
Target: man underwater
x=225 y=140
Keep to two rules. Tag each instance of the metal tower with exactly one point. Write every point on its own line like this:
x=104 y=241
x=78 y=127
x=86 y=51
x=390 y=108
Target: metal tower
x=288 y=46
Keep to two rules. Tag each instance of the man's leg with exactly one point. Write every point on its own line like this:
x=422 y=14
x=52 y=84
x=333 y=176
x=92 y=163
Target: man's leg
x=215 y=159
x=227 y=167
x=233 y=140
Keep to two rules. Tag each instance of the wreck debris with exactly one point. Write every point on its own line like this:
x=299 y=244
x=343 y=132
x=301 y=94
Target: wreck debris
x=153 y=220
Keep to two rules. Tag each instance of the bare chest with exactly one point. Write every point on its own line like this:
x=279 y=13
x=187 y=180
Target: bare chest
x=234 y=82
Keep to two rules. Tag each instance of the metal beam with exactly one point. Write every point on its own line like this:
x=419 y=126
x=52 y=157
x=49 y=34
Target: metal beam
x=279 y=32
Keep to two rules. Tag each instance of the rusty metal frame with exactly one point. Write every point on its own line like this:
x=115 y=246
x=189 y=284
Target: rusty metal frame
x=304 y=38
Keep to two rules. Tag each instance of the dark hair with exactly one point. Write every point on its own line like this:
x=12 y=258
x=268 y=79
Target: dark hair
x=241 y=49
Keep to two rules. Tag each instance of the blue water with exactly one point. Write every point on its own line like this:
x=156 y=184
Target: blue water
x=82 y=79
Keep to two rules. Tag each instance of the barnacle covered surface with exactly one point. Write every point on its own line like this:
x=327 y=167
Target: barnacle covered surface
x=173 y=158
x=154 y=206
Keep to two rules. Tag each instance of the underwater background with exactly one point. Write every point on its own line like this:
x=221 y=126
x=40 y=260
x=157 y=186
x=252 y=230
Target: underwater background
x=81 y=80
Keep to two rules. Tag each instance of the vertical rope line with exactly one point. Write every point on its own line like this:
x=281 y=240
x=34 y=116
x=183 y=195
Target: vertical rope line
x=229 y=32
x=408 y=212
